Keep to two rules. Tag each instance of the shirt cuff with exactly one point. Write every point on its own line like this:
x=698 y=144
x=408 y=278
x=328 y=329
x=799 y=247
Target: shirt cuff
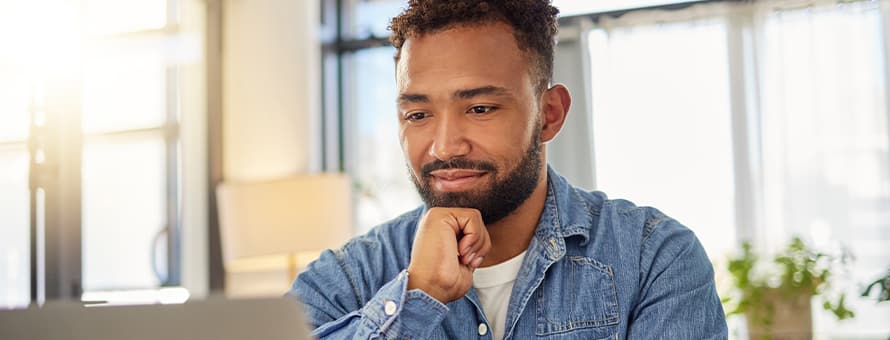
x=400 y=313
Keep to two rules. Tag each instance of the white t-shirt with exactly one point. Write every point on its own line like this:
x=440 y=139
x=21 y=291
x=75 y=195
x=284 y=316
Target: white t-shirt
x=493 y=286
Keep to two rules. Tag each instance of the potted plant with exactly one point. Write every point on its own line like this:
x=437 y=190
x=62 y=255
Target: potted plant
x=775 y=296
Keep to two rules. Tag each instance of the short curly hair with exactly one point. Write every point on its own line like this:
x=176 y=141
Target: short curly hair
x=534 y=24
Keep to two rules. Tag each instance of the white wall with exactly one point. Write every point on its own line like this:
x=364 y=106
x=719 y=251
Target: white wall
x=271 y=82
x=271 y=104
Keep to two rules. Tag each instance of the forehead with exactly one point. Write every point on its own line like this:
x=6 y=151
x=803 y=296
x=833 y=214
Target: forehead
x=460 y=57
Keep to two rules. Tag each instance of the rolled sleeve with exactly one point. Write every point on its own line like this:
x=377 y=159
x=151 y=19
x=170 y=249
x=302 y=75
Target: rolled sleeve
x=393 y=313
x=404 y=314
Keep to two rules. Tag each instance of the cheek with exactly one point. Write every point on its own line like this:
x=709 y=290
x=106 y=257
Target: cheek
x=506 y=144
x=413 y=148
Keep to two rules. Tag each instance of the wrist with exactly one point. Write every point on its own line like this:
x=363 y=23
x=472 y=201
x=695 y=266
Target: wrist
x=417 y=282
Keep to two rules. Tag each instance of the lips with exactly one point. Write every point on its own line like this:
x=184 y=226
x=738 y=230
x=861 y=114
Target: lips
x=456 y=179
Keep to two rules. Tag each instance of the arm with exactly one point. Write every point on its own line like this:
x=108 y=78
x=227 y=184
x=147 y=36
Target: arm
x=678 y=298
x=333 y=304
x=345 y=296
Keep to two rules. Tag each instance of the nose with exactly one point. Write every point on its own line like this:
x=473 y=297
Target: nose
x=449 y=139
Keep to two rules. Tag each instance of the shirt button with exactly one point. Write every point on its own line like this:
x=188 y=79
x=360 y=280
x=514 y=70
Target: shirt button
x=483 y=328
x=389 y=307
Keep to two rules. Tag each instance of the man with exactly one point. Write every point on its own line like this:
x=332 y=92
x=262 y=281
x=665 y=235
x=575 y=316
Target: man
x=504 y=247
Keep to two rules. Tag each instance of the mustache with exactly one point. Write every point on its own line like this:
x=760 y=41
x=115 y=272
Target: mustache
x=456 y=163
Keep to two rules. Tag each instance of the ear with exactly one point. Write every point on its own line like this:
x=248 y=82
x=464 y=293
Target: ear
x=555 y=103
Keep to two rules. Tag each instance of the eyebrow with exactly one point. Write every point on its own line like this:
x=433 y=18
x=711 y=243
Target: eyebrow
x=480 y=91
x=459 y=94
x=413 y=98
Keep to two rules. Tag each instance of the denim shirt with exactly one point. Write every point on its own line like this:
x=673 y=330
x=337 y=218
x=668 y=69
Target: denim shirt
x=595 y=269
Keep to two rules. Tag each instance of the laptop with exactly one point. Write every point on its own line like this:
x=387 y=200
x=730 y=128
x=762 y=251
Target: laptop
x=217 y=319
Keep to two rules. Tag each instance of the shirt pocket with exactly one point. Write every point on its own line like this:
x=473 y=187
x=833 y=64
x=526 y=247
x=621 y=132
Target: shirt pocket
x=578 y=295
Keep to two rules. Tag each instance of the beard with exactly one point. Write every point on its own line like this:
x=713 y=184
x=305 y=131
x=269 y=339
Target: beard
x=494 y=201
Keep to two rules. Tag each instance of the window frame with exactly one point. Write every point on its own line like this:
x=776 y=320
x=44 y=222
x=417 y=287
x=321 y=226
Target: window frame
x=56 y=268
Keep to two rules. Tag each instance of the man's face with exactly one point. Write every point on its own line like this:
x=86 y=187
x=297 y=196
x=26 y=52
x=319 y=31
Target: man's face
x=469 y=119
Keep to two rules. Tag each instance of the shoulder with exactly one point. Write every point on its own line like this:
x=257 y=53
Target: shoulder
x=593 y=213
x=622 y=226
x=640 y=221
x=661 y=239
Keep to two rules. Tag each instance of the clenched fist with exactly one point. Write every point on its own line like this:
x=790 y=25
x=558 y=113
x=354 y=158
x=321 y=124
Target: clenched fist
x=450 y=243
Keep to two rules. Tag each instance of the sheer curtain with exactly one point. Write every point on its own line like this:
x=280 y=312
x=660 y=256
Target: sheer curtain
x=760 y=120
x=825 y=145
x=661 y=118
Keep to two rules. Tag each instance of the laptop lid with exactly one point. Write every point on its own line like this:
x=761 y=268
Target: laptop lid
x=217 y=319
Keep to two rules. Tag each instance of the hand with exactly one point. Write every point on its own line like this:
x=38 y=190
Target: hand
x=450 y=244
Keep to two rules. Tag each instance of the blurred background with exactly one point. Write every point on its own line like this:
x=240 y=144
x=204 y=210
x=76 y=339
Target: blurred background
x=143 y=141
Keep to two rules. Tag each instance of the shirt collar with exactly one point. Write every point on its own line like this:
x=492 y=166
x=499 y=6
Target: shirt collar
x=565 y=213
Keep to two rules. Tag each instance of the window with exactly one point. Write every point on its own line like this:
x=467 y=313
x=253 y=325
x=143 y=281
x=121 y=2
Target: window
x=666 y=89
x=113 y=78
x=366 y=19
x=14 y=231
x=130 y=150
x=576 y=7
x=671 y=150
x=826 y=148
x=371 y=152
x=375 y=160
x=130 y=147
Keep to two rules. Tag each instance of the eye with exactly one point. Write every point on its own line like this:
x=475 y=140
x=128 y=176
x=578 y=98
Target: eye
x=416 y=116
x=481 y=109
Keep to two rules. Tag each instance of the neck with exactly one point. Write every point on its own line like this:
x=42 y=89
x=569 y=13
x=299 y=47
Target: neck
x=512 y=234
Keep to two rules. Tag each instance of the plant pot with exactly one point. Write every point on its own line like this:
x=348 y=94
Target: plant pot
x=781 y=316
